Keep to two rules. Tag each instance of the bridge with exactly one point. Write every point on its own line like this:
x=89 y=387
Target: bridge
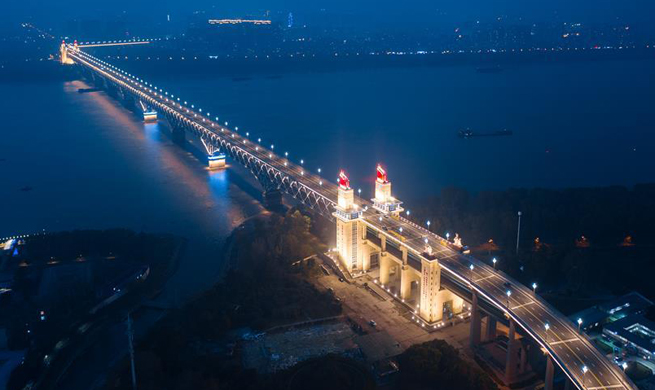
x=421 y=269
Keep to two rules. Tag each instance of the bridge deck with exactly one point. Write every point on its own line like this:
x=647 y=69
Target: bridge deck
x=569 y=349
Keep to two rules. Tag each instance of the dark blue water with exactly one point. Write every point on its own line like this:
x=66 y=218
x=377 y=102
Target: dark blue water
x=574 y=124
x=92 y=164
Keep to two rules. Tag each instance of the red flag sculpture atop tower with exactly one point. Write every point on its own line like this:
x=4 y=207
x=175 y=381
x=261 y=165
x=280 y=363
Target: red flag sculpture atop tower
x=344 y=182
x=382 y=174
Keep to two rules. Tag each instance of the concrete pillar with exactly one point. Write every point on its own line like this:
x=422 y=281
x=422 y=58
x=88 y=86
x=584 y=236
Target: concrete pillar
x=384 y=268
x=550 y=373
x=523 y=362
x=405 y=282
x=216 y=162
x=366 y=257
x=510 y=366
x=491 y=329
x=474 y=337
x=567 y=384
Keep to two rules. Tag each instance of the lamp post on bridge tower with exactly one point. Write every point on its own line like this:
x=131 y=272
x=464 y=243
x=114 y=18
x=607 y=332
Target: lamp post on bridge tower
x=518 y=233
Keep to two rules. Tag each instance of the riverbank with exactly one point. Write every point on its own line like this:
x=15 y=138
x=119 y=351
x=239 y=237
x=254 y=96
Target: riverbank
x=108 y=274
x=570 y=240
x=241 y=69
x=262 y=289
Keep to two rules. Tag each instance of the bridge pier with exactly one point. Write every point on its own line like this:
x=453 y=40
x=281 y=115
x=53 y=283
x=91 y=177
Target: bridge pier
x=216 y=160
x=523 y=354
x=474 y=338
x=567 y=384
x=385 y=265
x=405 y=282
x=510 y=366
x=550 y=374
x=490 y=333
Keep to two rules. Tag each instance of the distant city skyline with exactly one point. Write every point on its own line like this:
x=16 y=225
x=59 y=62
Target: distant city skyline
x=377 y=13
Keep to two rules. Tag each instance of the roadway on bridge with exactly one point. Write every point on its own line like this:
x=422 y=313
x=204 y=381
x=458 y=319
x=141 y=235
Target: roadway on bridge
x=569 y=349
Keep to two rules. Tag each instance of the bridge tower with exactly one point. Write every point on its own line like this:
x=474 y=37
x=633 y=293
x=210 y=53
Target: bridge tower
x=63 y=54
x=353 y=253
x=383 y=200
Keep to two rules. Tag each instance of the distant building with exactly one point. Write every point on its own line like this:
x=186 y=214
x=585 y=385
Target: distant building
x=629 y=304
x=636 y=333
x=234 y=36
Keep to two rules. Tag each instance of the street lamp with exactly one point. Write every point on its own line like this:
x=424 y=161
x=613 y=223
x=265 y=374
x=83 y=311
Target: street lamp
x=509 y=293
x=534 y=288
x=547 y=326
x=428 y=223
x=518 y=234
x=584 y=374
x=471 y=268
x=579 y=324
x=494 y=260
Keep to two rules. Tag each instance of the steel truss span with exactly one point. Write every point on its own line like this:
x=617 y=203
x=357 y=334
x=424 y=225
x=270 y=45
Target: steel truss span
x=585 y=366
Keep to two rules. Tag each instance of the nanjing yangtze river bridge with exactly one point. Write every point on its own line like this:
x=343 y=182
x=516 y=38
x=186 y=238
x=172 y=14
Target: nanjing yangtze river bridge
x=435 y=275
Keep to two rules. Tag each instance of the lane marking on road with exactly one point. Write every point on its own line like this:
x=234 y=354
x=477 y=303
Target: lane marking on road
x=604 y=387
x=486 y=277
x=525 y=304
x=563 y=341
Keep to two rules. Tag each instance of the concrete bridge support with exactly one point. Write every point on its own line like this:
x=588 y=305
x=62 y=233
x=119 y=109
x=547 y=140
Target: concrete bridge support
x=523 y=357
x=474 y=338
x=405 y=282
x=490 y=333
x=385 y=265
x=550 y=374
x=510 y=366
x=568 y=385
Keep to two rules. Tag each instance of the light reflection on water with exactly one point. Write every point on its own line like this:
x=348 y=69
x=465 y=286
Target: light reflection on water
x=93 y=164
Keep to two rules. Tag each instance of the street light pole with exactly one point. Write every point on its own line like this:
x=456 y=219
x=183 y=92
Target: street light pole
x=518 y=234
x=534 y=288
x=547 y=327
x=579 y=325
x=130 y=339
x=494 y=261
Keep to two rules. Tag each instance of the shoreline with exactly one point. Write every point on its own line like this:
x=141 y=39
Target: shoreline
x=238 y=68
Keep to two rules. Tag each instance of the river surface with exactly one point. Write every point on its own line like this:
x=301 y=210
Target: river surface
x=71 y=160
x=574 y=123
x=74 y=160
